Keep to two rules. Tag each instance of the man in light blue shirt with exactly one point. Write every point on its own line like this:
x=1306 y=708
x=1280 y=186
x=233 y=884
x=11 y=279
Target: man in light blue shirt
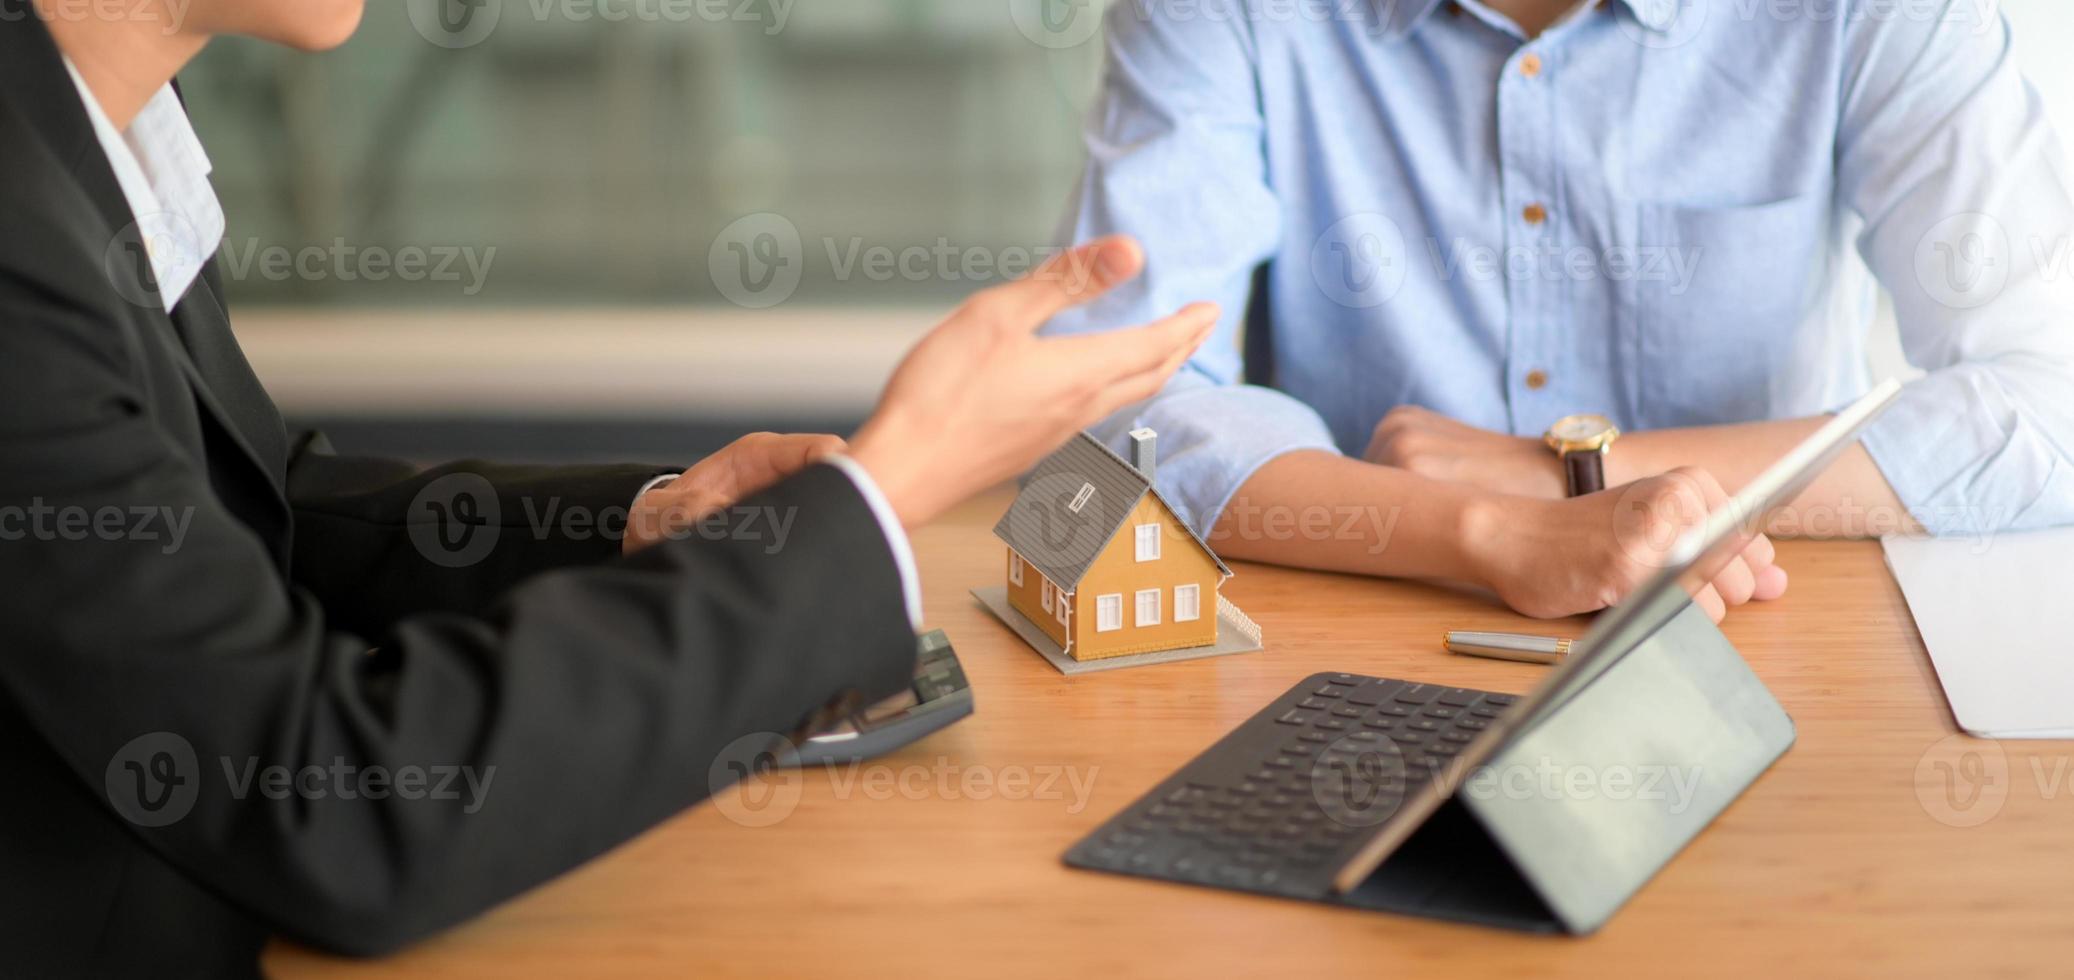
x=1477 y=218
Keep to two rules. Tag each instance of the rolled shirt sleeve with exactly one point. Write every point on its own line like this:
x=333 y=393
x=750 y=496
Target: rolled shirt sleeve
x=1176 y=159
x=1946 y=152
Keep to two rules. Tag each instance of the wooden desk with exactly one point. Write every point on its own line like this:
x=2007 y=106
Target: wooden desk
x=1836 y=862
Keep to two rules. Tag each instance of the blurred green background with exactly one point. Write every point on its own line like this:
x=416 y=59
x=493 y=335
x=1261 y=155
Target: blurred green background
x=600 y=145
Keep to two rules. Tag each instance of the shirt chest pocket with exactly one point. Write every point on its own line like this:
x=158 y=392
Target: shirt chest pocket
x=1716 y=305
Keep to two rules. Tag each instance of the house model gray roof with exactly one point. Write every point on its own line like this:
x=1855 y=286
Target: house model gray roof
x=1072 y=504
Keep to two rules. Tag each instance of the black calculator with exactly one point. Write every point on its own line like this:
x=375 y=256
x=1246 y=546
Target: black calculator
x=939 y=696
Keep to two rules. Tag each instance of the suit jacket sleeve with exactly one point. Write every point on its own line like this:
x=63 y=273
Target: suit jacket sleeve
x=378 y=540
x=591 y=702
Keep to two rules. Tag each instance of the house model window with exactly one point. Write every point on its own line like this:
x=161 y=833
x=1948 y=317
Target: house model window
x=1065 y=605
x=1109 y=612
x=1087 y=492
x=1015 y=569
x=1188 y=603
x=1046 y=589
x=1148 y=542
x=1148 y=607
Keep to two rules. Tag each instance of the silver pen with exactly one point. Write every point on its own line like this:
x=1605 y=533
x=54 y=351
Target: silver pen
x=1508 y=646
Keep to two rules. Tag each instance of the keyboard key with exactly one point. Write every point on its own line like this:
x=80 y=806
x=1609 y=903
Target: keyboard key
x=1500 y=700
x=1235 y=876
x=1423 y=725
x=1344 y=680
x=1459 y=698
x=1332 y=724
x=1328 y=691
x=1346 y=712
x=1383 y=723
x=1485 y=711
x=1473 y=724
x=1374 y=693
x=1457 y=737
x=1300 y=747
x=1395 y=710
x=1440 y=712
x=1294 y=717
x=1315 y=737
x=1315 y=704
x=1362 y=737
x=1417 y=694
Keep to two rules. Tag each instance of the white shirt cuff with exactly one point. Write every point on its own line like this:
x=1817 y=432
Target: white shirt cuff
x=896 y=535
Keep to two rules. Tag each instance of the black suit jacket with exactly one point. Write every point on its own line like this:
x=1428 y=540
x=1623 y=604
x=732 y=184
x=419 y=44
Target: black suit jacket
x=312 y=617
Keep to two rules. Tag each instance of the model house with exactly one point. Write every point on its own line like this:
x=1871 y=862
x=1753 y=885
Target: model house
x=1101 y=564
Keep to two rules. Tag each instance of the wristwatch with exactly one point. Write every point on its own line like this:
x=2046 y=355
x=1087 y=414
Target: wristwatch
x=1582 y=441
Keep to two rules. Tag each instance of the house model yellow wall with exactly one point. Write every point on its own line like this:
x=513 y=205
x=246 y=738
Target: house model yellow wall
x=1117 y=572
x=1037 y=598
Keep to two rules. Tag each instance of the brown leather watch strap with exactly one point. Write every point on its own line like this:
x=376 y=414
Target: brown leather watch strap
x=1586 y=470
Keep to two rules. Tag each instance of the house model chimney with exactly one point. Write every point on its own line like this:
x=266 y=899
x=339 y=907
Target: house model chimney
x=1145 y=451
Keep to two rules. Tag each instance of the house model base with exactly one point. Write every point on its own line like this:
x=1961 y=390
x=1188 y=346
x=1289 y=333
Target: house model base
x=1235 y=634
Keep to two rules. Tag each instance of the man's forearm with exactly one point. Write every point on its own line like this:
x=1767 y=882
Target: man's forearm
x=1849 y=500
x=1542 y=557
x=1320 y=510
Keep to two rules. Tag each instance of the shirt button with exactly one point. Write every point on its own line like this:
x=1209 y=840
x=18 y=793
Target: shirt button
x=1537 y=379
x=1534 y=214
x=1530 y=65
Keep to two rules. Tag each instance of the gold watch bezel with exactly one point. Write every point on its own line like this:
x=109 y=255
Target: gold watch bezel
x=1596 y=443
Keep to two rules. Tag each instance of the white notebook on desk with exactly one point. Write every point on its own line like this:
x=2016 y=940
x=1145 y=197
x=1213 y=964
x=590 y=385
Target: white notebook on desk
x=1997 y=615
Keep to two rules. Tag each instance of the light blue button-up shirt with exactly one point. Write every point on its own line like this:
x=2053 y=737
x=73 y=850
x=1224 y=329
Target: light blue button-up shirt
x=1670 y=213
